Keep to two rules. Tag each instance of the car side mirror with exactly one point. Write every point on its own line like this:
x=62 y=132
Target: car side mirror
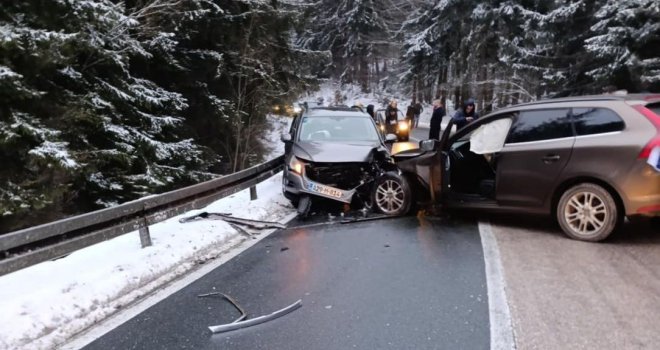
x=428 y=145
x=285 y=137
x=390 y=138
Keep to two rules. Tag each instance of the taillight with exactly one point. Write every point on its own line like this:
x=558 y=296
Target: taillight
x=655 y=141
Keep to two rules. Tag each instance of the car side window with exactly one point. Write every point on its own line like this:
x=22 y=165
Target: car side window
x=589 y=121
x=537 y=125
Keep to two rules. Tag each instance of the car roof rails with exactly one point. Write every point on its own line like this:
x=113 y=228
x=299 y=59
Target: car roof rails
x=338 y=108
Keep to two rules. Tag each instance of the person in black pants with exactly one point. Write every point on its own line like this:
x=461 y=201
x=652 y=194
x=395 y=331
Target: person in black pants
x=410 y=116
x=436 y=118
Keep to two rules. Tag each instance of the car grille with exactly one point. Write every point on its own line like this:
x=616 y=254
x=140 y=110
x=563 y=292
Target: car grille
x=344 y=176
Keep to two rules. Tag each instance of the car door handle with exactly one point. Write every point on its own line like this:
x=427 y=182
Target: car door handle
x=550 y=158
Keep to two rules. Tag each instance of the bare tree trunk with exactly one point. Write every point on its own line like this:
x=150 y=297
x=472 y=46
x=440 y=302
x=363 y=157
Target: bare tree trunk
x=414 y=89
x=241 y=96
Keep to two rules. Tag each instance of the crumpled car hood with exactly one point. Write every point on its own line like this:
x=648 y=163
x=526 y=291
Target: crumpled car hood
x=332 y=152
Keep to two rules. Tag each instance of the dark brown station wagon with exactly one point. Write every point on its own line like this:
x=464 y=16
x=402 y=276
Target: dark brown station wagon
x=588 y=161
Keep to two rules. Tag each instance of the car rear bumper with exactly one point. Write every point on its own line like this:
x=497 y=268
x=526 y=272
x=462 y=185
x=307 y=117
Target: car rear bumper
x=642 y=191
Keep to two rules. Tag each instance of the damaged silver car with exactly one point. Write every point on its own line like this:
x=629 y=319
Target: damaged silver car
x=339 y=154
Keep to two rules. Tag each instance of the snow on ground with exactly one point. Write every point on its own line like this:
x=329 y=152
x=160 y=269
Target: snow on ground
x=44 y=305
x=277 y=126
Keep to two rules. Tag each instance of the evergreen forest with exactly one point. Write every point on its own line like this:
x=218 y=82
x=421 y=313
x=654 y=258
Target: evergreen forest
x=106 y=101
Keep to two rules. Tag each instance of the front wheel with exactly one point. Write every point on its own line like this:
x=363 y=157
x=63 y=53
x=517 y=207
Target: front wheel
x=391 y=194
x=588 y=212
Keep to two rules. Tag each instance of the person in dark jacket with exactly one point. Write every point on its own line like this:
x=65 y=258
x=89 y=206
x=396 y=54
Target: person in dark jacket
x=465 y=115
x=410 y=115
x=371 y=112
x=436 y=119
x=391 y=117
x=418 y=111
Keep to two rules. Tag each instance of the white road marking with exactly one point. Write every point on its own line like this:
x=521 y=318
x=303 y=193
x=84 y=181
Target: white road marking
x=501 y=329
x=114 y=321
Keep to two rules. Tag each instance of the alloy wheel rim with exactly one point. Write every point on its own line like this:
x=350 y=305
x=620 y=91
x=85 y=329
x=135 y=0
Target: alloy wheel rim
x=390 y=196
x=586 y=213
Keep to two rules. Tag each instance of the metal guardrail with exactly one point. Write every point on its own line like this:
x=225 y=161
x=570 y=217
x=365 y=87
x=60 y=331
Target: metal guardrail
x=23 y=248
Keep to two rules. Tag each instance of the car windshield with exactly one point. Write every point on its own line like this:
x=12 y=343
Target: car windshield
x=338 y=128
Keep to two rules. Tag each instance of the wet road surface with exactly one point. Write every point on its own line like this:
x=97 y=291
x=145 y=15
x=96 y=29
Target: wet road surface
x=566 y=294
x=403 y=283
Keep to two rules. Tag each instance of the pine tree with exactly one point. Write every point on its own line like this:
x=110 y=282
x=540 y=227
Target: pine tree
x=625 y=41
x=79 y=128
x=351 y=30
x=421 y=51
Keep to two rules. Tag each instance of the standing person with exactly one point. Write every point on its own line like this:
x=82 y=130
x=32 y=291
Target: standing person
x=371 y=112
x=418 y=111
x=410 y=115
x=436 y=119
x=465 y=115
x=358 y=105
x=391 y=117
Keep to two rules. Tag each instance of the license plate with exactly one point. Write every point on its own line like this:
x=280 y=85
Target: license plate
x=324 y=190
x=392 y=122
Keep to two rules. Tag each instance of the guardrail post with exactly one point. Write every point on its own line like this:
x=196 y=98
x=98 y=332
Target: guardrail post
x=145 y=237
x=253 y=193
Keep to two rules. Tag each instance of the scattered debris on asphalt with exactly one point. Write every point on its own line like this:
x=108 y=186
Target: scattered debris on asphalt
x=241 y=322
x=242 y=225
x=351 y=217
x=240 y=229
x=231 y=301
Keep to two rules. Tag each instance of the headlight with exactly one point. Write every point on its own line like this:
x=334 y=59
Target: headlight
x=403 y=125
x=297 y=109
x=296 y=165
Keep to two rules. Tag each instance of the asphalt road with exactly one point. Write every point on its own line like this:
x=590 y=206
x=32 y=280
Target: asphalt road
x=566 y=294
x=419 y=134
x=404 y=283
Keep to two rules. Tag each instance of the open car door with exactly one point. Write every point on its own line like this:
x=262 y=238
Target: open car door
x=428 y=164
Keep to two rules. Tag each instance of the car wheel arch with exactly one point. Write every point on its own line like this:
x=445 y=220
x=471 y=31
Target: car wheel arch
x=568 y=183
x=419 y=192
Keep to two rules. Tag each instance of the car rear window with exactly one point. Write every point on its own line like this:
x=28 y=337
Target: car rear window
x=654 y=107
x=589 y=121
x=537 y=125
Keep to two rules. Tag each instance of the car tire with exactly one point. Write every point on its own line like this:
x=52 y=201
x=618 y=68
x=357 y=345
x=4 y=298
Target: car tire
x=588 y=212
x=391 y=194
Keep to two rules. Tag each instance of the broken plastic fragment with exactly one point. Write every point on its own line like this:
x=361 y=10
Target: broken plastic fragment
x=255 y=321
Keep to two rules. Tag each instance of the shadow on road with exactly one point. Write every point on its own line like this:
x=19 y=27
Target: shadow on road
x=636 y=231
